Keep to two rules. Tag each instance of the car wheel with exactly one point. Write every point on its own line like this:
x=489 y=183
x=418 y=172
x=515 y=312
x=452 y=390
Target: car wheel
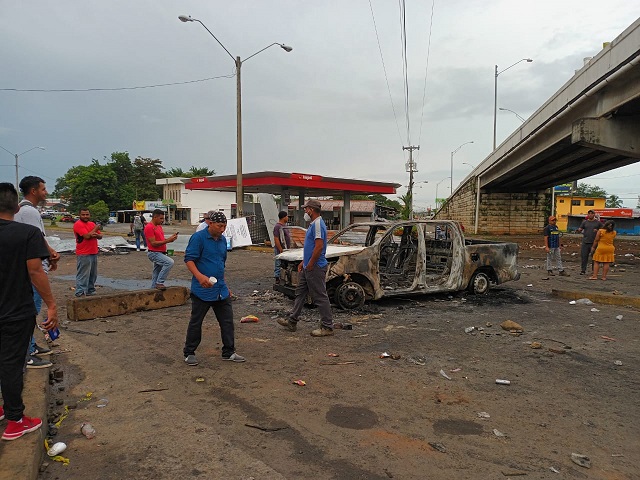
x=350 y=295
x=479 y=284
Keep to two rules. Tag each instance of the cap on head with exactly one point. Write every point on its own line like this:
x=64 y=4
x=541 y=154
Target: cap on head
x=217 y=217
x=552 y=218
x=315 y=204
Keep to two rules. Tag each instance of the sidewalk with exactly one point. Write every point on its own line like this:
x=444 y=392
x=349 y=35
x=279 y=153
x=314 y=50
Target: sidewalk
x=20 y=459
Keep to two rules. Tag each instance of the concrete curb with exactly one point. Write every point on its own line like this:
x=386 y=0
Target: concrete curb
x=21 y=458
x=597 y=297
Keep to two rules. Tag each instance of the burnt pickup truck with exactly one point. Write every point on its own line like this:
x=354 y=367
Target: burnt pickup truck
x=368 y=261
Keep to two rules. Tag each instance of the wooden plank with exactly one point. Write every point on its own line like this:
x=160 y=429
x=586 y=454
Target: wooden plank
x=88 y=308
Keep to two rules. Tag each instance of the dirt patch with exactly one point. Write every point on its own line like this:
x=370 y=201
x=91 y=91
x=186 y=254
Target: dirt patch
x=369 y=417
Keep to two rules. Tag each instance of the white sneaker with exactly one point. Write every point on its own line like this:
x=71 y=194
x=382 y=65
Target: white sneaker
x=234 y=358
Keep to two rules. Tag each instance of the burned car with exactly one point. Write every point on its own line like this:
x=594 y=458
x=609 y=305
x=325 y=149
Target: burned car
x=368 y=261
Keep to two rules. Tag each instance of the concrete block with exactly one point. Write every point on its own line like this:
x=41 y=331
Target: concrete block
x=21 y=458
x=88 y=308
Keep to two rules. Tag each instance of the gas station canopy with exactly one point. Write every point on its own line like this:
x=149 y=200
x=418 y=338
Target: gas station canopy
x=293 y=183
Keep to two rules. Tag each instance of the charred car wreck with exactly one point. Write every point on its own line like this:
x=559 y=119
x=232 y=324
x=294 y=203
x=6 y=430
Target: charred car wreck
x=368 y=261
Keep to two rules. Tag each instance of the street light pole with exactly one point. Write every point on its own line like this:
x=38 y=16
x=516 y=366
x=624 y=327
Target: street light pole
x=16 y=156
x=495 y=94
x=238 y=63
x=452 y=154
x=507 y=110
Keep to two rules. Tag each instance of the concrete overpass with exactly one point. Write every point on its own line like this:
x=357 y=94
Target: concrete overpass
x=591 y=125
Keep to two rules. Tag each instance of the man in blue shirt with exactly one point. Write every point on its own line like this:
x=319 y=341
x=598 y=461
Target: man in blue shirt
x=552 y=247
x=205 y=258
x=312 y=273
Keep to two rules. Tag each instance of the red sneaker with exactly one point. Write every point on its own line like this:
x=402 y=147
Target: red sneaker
x=1 y=413
x=16 y=429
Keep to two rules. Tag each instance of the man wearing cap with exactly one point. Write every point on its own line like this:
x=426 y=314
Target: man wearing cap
x=552 y=247
x=157 y=249
x=312 y=273
x=205 y=221
x=205 y=258
x=589 y=229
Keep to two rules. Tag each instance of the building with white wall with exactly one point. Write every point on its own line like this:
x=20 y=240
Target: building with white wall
x=188 y=207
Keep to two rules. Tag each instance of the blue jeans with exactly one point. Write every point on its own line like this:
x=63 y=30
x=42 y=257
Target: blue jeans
x=139 y=234
x=162 y=265
x=276 y=270
x=37 y=300
x=86 y=274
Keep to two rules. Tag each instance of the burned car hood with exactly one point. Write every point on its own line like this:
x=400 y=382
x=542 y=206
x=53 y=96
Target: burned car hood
x=295 y=254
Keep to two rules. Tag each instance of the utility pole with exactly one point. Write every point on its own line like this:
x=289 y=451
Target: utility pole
x=411 y=167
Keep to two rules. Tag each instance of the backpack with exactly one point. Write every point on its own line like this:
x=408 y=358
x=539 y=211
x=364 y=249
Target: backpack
x=137 y=223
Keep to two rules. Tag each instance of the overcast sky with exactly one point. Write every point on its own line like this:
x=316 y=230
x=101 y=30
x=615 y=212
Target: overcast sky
x=322 y=109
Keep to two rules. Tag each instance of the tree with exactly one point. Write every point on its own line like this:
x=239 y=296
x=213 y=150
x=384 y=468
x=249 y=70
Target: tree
x=586 y=190
x=405 y=209
x=146 y=170
x=200 y=172
x=175 y=172
x=613 y=201
x=99 y=211
x=124 y=170
x=91 y=183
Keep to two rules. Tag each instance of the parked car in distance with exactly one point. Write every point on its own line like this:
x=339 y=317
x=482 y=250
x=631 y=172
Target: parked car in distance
x=67 y=217
x=368 y=261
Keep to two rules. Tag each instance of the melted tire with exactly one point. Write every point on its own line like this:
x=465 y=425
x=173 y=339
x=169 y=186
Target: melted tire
x=349 y=296
x=479 y=284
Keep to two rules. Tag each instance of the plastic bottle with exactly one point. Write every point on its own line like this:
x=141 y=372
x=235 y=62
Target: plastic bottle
x=88 y=430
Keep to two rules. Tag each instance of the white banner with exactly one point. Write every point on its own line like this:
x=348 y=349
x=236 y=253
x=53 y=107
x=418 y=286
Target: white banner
x=238 y=230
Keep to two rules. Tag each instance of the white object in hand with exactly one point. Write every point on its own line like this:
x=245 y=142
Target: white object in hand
x=213 y=280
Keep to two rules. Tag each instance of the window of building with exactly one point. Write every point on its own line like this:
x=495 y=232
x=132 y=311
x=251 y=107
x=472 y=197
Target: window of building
x=575 y=203
x=561 y=200
x=589 y=203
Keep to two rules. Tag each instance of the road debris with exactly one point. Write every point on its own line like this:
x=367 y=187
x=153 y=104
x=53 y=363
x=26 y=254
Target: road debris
x=438 y=446
x=618 y=363
x=512 y=326
x=608 y=339
x=554 y=469
x=469 y=329
x=581 y=301
x=153 y=390
x=498 y=433
x=535 y=345
x=333 y=355
x=301 y=383
x=500 y=381
x=594 y=309
x=444 y=374
x=619 y=317
x=483 y=415
x=249 y=319
x=103 y=402
x=265 y=429
x=581 y=460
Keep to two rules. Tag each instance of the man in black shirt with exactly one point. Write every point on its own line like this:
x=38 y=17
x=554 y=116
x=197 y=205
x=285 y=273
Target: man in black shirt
x=589 y=229
x=22 y=249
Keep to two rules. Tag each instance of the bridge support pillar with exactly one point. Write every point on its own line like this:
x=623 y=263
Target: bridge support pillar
x=617 y=134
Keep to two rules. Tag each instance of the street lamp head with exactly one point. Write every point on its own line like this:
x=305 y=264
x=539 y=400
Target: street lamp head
x=529 y=60
x=185 y=18
x=286 y=48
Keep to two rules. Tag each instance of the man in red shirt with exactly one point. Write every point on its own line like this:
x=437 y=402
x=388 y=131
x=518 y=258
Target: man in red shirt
x=87 y=235
x=157 y=249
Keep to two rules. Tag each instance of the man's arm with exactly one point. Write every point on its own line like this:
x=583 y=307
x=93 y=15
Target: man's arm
x=40 y=280
x=278 y=244
x=203 y=280
x=159 y=243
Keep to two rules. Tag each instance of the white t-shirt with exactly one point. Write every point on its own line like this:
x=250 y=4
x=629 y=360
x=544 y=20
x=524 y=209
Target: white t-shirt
x=31 y=216
x=202 y=226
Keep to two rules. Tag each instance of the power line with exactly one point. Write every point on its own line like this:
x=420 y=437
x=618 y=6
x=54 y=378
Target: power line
x=426 y=70
x=386 y=78
x=405 y=66
x=54 y=90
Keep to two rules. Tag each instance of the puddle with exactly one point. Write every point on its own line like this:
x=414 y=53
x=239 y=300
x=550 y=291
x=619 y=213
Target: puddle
x=356 y=418
x=124 y=283
x=457 y=427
